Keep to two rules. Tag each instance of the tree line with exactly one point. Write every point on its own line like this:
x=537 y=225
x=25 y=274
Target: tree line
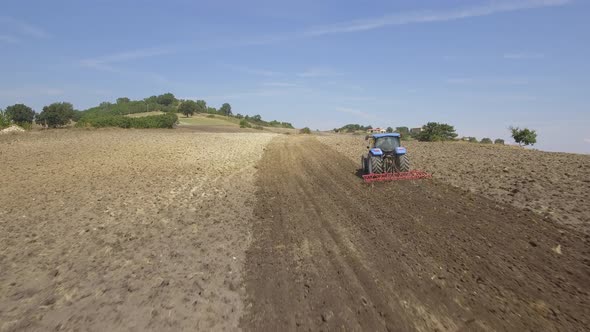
x=434 y=132
x=61 y=114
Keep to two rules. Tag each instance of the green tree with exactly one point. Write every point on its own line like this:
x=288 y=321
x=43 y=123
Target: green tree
x=499 y=141
x=188 y=107
x=472 y=140
x=211 y=110
x=434 y=131
x=56 y=115
x=486 y=140
x=4 y=119
x=524 y=136
x=201 y=106
x=123 y=100
x=225 y=109
x=166 y=99
x=20 y=113
x=404 y=131
x=389 y=130
x=239 y=116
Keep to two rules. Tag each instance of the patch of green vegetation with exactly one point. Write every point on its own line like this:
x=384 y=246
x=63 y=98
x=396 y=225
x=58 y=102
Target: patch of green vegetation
x=166 y=120
x=207 y=121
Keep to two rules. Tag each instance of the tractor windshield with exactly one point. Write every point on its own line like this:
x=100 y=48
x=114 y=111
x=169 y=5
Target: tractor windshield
x=387 y=144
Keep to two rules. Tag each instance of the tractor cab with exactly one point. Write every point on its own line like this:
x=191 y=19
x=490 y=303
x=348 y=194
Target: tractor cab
x=385 y=142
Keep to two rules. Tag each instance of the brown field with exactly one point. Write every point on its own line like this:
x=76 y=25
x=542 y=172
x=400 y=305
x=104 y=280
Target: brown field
x=554 y=185
x=205 y=230
x=121 y=229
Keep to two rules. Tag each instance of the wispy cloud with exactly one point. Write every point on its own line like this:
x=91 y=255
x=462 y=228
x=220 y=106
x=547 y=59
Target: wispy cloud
x=434 y=16
x=253 y=71
x=24 y=28
x=105 y=62
x=523 y=56
x=356 y=112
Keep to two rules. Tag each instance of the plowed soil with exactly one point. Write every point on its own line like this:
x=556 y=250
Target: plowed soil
x=124 y=230
x=554 y=185
x=330 y=252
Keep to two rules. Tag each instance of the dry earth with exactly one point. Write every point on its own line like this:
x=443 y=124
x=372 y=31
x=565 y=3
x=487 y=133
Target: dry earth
x=555 y=185
x=194 y=229
x=332 y=253
x=124 y=229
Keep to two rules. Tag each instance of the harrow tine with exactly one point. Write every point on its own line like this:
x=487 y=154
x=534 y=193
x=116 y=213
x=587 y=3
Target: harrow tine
x=411 y=175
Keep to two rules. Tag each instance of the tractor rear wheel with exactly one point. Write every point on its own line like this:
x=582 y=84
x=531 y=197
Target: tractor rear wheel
x=364 y=165
x=376 y=165
x=402 y=163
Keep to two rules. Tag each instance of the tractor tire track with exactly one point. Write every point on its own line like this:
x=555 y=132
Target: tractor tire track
x=330 y=252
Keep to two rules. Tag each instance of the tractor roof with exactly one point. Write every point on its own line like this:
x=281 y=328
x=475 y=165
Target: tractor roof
x=386 y=135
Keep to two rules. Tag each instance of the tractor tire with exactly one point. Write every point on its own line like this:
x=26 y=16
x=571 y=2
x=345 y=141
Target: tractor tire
x=402 y=163
x=364 y=165
x=376 y=165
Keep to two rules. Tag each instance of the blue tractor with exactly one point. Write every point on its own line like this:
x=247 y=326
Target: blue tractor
x=386 y=155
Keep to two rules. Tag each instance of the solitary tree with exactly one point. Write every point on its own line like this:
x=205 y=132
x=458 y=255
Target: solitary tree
x=225 y=109
x=523 y=136
x=472 y=140
x=434 y=131
x=20 y=113
x=56 y=115
x=499 y=141
x=389 y=130
x=188 y=107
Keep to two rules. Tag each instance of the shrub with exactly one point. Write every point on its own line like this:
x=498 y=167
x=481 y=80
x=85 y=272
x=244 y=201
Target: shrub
x=166 y=120
x=258 y=127
x=499 y=141
x=486 y=140
x=524 y=136
x=4 y=119
x=245 y=124
x=472 y=140
x=26 y=125
x=305 y=130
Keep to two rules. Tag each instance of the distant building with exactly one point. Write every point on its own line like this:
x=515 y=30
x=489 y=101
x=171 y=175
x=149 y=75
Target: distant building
x=376 y=131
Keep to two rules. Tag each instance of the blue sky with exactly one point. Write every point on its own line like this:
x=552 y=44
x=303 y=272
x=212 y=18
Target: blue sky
x=479 y=65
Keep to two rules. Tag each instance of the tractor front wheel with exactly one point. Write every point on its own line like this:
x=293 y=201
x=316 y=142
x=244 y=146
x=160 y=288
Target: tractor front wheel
x=402 y=163
x=376 y=165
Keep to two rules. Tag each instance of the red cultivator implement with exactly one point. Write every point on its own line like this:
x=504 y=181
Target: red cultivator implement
x=410 y=175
